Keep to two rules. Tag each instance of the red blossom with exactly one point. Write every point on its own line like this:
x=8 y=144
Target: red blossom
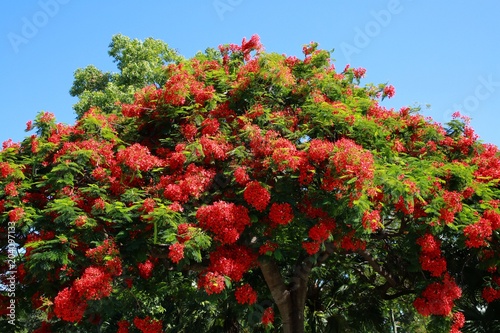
x=148 y=325
x=212 y=282
x=438 y=298
x=320 y=150
x=94 y=284
x=176 y=252
x=16 y=214
x=371 y=220
x=268 y=317
x=431 y=258
x=478 y=233
x=138 y=157
x=226 y=220
x=458 y=322
x=69 y=306
x=5 y=169
x=389 y=91
x=268 y=246
x=241 y=176
x=145 y=269
x=281 y=213
x=245 y=294
x=256 y=195
x=311 y=247
x=123 y=326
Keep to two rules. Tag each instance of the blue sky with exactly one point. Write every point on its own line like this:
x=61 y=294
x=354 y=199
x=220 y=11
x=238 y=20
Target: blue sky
x=445 y=54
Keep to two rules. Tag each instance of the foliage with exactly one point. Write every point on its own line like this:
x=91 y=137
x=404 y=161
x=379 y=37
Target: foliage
x=241 y=190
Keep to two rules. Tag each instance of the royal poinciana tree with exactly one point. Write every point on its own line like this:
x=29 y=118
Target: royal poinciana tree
x=260 y=182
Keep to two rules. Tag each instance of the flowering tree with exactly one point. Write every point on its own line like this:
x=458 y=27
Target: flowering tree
x=255 y=180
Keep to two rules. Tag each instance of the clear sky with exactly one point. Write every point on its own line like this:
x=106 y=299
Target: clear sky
x=445 y=54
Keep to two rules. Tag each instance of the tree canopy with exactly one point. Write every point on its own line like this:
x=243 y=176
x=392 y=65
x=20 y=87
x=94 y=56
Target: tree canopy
x=245 y=191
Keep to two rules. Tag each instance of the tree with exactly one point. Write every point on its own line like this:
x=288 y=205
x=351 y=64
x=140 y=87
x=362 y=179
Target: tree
x=139 y=64
x=248 y=191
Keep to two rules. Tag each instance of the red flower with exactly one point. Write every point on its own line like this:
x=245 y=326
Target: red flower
x=11 y=190
x=213 y=283
x=478 y=233
x=226 y=220
x=268 y=246
x=138 y=157
x=256 y=195
x=69 y=306
x=458 y=322
x=319 y=150
x=176 y=252
x=490 y=294
x=241 y=176
x=123 y=326
x=94 y=284
x=268 y=316
x=311 y=247
x=431 y=259
x=16 y=214
x=371 y=220
x=281 y=213
x=437 y=298
x=80 y=221
x=209 y=126
x=148 y=325
x=245 y=294
x=145 y=269
x=389 y=91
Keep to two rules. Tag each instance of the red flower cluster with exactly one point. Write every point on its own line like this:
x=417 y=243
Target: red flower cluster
x=320 y=150
x=123 y=326
x=94 y=284
x=488 y=162
x=69 y=306
x=5 y=169
x=176 y=252
x=241 y=176
x=311 y=247
x=11 y=189
x=138 y=157
x=16 y=214
x=268 y=316
x=245 y=294
x=226 y=220
x=478 y=233
x=209 y=126
x=148 y=325
x=145 y=269
x=256 y=195
x=371 y=220
x=216 y=148
x=349 y=163
x=106 y=249
x=212 y=282
x=458 y=322
x=285 y=155
x=389 y=91
x=268 y=246
x=232 y=261
x=437 y=298
x=281 y=213
x=490 y=294
x=194 y=181
x=453 y=205
x=430 y=256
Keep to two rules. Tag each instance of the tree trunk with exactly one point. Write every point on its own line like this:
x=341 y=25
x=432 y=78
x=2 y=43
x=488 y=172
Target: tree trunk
x=289 y=299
